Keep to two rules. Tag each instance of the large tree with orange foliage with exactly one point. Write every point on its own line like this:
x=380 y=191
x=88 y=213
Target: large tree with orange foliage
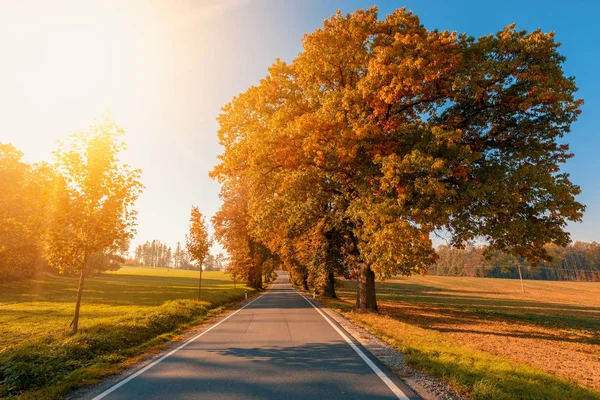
x=247 y=256
x=25 y=203
x=381 y=132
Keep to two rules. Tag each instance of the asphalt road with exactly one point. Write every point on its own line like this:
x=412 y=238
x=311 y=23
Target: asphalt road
x=277 y=347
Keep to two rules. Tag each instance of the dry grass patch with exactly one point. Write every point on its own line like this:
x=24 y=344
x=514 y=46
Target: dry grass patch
x=484 y=336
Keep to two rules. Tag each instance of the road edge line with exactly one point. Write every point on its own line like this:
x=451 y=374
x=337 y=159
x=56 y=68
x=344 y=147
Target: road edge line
x=388 y=382
x=170 y=353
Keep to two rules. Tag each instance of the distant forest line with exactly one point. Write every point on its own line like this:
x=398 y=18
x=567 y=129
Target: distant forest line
x=159 y=254
x=579 y=261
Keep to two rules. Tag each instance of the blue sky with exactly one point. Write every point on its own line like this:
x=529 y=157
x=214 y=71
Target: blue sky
x=164 y=68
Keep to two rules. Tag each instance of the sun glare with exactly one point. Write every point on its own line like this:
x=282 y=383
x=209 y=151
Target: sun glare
x=71 y=63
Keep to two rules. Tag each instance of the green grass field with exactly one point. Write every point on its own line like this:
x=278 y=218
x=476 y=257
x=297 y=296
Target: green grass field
x=489 y=340
x=123 y=313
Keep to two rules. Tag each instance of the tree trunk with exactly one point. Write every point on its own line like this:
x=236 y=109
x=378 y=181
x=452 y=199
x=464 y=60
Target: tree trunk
x=75 y=322
x=200 y=283
x=521 y=278
x=365 y=293
x=305 y=282
x=329 y=287
x=257 y=283
x=255 y=277
x=255 y=272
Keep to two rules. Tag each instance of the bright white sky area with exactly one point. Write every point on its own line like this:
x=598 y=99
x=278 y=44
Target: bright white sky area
x=164 y=69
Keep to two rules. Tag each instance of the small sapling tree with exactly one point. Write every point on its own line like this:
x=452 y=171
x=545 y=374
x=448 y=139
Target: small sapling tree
x=198 y=241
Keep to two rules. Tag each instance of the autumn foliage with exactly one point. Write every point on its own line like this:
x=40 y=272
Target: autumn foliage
x=93 y=211
x=26 y=199
x=380 y=133
x=198 y=242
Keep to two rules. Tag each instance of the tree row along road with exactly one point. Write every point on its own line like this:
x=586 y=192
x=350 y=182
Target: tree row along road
x=279 y=346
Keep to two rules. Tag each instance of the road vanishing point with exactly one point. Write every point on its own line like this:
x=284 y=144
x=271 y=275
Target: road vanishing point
x=278 y=346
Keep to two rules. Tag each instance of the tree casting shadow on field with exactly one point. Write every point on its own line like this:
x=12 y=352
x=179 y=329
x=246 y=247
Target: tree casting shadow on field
x=433 y=307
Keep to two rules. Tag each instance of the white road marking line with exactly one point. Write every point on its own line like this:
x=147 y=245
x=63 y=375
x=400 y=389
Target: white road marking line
x=147 y=367
x=395 y=389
